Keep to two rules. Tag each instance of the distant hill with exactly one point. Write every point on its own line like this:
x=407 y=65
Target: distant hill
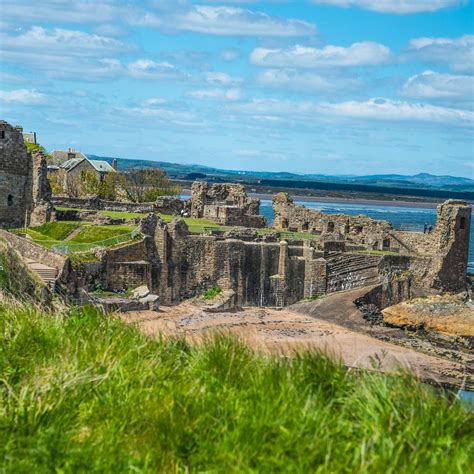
x=191 y=171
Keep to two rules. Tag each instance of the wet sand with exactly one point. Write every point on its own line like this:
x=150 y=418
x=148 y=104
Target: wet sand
x=285 y=331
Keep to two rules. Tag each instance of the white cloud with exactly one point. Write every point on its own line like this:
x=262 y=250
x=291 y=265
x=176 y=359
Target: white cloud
x=70 y=54
x=148 y=69
x=372 y=109
x=216 y=94
x=161 y=113
x=400 y=7
x=298 y=56
x=61 y=41
x=390 y=110
x=291 y=79
x=23 y=96
x=433 y=85
x=70 y=11
x=222 y=79
x=226 y=21
x=457 y=54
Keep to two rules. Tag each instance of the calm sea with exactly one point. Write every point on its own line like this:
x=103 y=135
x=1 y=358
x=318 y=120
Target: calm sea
x=402 y=217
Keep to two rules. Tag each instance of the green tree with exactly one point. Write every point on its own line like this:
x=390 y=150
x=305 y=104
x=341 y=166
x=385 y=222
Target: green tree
x=147 y=184
x=110 y=186
x=90 y=183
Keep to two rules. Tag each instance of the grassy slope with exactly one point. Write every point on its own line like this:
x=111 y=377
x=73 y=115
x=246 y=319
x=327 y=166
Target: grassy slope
x=98 y=233
x=87 y=393
x=57 y=230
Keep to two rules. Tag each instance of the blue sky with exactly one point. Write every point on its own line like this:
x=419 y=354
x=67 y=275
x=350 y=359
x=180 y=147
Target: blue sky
x=319 y=86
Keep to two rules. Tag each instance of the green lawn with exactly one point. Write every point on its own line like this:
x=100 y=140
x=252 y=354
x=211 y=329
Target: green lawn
x=56 y=230
x=95 y=233
x=53 y=233
x=80 y=392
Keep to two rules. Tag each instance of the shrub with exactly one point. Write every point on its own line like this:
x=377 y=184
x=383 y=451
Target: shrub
x=212 y=293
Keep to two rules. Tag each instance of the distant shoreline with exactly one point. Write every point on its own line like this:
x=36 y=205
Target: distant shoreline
x=336 y=200
x=355 y=201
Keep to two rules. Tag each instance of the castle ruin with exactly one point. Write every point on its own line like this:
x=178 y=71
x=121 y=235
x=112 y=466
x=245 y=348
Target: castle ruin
x=265 y=270
x=226 y=204
x=25 y=194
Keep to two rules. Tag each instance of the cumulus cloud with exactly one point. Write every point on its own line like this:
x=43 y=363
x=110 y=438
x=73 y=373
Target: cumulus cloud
x=61 y=41
x=23 y=96
x=377 y=109
x=433 y=85
x=400 y=7
x=70 y=54
x=390 y=110
x=226 y=21
x=291 y=79
x=358 y=54
x=71 y=11
x=148 y=69
x=216 y=94
x=457 y=53
x=222 y=79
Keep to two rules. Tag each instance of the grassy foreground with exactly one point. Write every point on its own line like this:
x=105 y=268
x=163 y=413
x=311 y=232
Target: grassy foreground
x=80 y=392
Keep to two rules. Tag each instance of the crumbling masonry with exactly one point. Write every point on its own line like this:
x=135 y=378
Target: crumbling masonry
x=25 y=194
x=267 y=271
x=226 y=204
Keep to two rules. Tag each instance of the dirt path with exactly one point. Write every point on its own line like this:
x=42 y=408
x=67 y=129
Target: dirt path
x=285 y=331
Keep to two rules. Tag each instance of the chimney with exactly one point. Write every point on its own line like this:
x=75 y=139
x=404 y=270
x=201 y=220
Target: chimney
x=114 y=164
x=71 y=150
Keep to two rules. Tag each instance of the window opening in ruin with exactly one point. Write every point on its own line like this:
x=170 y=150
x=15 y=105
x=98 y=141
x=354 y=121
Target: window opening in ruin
x=359 y=229
x=386 y=244
x=10 y=200
x=330 y=226
x=462 y=223
x=284 y=223
x=2 y=134
x=305 y=227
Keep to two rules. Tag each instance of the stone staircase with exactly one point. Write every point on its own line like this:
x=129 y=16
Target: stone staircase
x=47 y=275
x=351 y=270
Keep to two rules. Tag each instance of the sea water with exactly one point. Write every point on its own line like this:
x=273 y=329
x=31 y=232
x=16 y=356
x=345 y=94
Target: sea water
x=402 y=217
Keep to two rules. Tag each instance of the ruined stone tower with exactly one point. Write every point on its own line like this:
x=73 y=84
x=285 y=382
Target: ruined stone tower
x=15 y=178
x=453 y=233
x=24 y=189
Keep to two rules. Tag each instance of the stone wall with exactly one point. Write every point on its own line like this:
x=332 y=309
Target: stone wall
x=164 y=205
x=226 y=204
x=15 y=178
x=38 y=253
x=177 y=265
x=358 y=229
x=24 y=189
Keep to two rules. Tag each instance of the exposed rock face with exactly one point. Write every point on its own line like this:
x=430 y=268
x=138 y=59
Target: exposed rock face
x=24 y=190
x=448 y=315
x=226 y=204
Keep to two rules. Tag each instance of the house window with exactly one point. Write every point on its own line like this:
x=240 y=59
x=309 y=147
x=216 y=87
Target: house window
x=10 y=200
x=462 y=223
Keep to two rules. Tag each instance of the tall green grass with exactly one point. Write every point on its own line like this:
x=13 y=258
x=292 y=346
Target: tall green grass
x=80 y=392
